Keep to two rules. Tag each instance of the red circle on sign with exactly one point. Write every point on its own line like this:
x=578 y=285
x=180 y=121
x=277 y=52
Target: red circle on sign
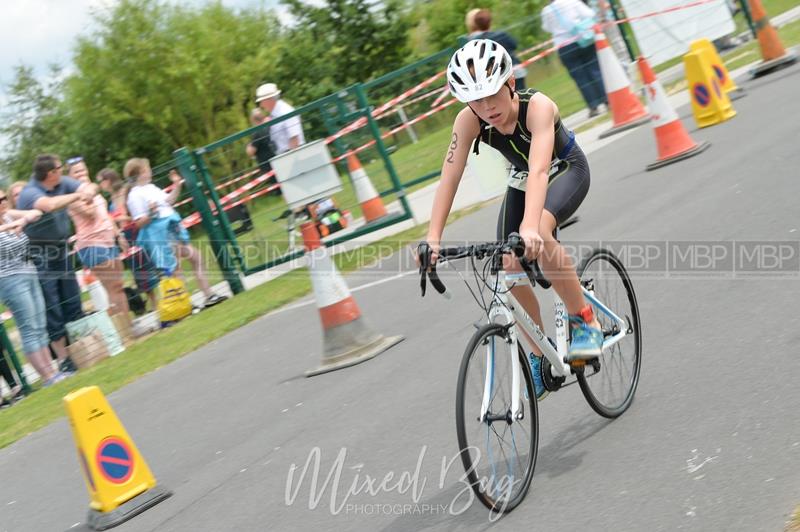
x=720 y=72
x=114 y=460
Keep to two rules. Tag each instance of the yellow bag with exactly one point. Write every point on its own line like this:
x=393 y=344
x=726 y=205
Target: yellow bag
x=174 y=302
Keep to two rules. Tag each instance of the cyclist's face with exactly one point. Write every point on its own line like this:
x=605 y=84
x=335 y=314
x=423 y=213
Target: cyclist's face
x=495 y=109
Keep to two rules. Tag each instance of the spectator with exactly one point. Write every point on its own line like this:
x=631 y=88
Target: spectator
x=160 y=225
x=13 y=192
x=51 y=193
x=76 y=169
x=287 y=134
x=21 y=292
x=568 y=20
x=479 y=23
x=96 y=241
x=260 y=147
x=15 y=389
x=136 y=259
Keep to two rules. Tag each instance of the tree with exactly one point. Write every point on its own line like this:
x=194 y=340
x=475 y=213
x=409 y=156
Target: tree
x=341 y=43
x=33 y=120
x=156 y=77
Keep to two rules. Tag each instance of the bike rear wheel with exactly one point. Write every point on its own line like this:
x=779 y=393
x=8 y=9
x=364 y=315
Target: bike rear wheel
x=498 y=452
x=609 y=383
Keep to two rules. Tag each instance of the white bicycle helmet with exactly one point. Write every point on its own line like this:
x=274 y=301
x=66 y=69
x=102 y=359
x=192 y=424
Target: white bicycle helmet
x=478 y=69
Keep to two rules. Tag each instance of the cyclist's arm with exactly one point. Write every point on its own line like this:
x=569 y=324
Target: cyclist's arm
x=540 y=120
x=465 y=129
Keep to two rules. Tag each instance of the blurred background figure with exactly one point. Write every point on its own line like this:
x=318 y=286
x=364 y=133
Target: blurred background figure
x=21 y=293
x=479 y=23
x=136 y=259
x=51 y=192
x=570 y=22
x=160 y=225
x=287 y=134
x=98 y=241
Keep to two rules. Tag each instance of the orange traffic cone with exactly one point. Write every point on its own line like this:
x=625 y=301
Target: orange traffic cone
x=626 y=110
x=674 y=143
x=347 y=339
x=772 y=50
x=368 y=198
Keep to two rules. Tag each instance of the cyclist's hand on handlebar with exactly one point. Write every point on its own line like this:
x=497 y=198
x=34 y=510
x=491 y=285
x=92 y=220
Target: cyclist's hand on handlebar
x=431 y=246
x=533 y=241
x=426 y=256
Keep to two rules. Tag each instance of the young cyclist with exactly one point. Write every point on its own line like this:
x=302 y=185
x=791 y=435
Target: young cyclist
x=548 y=181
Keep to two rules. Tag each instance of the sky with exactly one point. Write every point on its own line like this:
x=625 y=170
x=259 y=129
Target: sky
x=40 y=32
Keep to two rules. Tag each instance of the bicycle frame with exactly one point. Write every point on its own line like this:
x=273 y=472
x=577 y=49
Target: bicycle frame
x=506 y=309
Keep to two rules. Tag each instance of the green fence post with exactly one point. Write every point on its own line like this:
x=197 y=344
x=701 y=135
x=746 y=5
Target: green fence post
x=624 y=28
x=748 y=16
x=188 y=169
x=333 y=128
x=14 y=360
x=222 y=217
x=387 y=160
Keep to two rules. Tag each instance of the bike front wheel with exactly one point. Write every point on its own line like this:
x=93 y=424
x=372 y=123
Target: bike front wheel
x=609 y=383
x=498 y=447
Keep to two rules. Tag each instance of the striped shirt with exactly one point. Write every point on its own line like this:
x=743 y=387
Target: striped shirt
x=14 y=253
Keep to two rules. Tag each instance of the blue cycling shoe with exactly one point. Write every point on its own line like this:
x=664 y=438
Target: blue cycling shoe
x=587 y=341
x=538 y=382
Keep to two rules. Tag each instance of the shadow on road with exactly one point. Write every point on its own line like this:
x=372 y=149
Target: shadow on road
x=456 y=511
x=556 y=459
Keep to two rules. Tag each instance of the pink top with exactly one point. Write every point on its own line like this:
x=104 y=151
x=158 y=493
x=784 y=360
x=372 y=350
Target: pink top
x=93 y=231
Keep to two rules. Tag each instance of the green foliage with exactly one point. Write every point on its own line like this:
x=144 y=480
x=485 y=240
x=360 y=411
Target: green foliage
x=33 y=121
x=341 y=43
x=156 y=77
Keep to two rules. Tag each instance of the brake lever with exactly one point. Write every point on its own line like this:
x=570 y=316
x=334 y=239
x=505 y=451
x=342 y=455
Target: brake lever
x=517 y=245
x=428 y=269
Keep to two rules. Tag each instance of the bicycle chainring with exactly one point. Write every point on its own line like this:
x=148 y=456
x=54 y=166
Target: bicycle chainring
x=551 y=382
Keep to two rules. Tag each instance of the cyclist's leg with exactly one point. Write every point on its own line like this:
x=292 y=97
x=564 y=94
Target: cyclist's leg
x=557 y=266
x=565 y=192
x=508 y=222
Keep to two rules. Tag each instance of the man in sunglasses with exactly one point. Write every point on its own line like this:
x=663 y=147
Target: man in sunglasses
x=51 y=192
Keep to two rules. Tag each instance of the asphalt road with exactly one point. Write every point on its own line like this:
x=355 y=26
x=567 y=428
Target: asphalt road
x=712 y=441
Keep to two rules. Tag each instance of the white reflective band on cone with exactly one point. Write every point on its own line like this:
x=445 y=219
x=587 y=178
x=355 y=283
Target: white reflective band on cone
x=657 y=102
x=614 y=77
x=329 y=287
x=364 y=188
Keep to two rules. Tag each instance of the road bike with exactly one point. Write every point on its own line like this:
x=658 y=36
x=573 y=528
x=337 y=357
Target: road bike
x=497 y=419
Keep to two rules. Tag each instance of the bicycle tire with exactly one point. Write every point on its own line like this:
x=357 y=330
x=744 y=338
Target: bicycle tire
x=481 y=338
x=612 y=356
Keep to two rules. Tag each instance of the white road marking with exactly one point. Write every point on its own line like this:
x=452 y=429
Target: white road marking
x=355 y=289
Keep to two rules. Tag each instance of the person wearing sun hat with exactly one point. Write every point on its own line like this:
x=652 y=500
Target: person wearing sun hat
x=286 y=134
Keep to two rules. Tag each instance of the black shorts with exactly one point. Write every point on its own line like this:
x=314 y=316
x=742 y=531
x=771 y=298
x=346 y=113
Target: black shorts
x=565 y=192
